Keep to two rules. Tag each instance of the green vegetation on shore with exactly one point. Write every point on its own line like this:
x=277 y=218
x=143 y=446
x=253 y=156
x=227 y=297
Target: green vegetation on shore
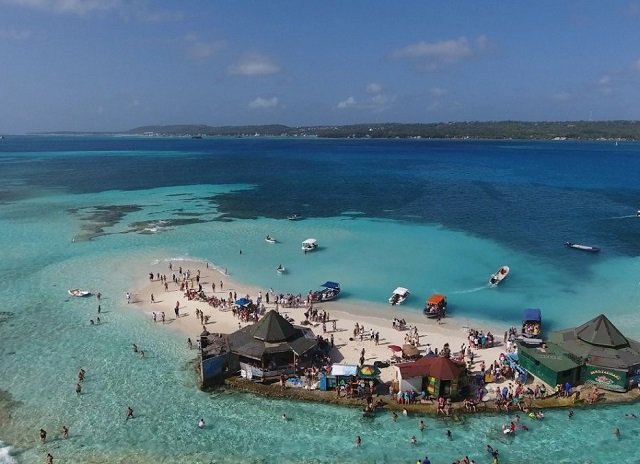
x=576 y=130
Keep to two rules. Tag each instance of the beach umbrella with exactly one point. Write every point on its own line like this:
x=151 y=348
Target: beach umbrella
x=394 y=348
x=410 y=351
x=242 y=301
x=368 y=372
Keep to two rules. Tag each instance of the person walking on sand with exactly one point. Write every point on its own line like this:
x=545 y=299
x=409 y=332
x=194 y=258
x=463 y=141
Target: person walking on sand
x=163 y=317
x=152 y=299
x=177 y=309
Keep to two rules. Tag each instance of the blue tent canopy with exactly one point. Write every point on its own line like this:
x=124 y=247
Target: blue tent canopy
x=532 y=314
x=243 y=301
x=330 y=284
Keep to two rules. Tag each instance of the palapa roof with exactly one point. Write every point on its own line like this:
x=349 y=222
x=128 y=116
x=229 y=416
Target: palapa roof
x=273 y=328
x=601 y=331
x=271 y=335
x=598 y=342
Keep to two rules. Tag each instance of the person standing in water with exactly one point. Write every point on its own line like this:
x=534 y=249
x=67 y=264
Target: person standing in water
x=129 y=413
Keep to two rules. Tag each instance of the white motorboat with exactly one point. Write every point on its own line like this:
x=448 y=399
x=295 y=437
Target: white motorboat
x=79 y=293
x=499 y=276
x=399 y=295
x=309 y=244
x=294 y=217
x=577 y=246
x=280 y=269
x=270 y=239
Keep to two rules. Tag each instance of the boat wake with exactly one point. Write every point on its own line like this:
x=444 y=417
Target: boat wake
x=624 y=217
x=470 y=290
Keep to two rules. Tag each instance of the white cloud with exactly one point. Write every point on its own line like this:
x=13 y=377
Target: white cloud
x=636 y=65
x=437 y=92
x=254 y=65
x=78 y=7
x=375 y=101
x=604 y=80
x=199 y=49
x=348 y=103
x=14 y=34
x=262 y=103
x=143 y=10
x=562 y=95
x=430 y=56
x=374 y=88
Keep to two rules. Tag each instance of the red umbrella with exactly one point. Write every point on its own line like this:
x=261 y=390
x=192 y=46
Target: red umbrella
x=394 y=348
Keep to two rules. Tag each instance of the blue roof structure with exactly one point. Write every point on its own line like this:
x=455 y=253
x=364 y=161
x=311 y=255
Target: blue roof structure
x=532 y=314
x=330 y=284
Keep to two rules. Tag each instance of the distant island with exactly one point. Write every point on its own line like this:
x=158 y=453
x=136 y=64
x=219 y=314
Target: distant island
x=556 y=130
x=576 y=130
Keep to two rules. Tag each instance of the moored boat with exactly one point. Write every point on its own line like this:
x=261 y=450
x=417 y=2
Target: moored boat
x=499 y=276
x=280 y=269
x=78 y=293
x=270 y=239
x=309 y=244
x=531 y=333
x=436 y=306
x=577 y=246
x=329 y=291
x=294 y=217
x=399 y=295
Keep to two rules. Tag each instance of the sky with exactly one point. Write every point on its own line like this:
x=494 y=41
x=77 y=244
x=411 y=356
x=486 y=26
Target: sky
x=112 y=65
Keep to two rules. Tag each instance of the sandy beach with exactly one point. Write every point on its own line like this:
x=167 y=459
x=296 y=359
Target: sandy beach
x=347 y=348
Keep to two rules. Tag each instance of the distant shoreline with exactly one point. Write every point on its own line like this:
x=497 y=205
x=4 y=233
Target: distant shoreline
x=490 y=130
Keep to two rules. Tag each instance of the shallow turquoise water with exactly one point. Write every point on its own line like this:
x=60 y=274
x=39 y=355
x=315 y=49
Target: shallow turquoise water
x=45 y=336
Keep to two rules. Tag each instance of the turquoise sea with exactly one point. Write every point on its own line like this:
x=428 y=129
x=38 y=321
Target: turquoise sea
x=95 y=212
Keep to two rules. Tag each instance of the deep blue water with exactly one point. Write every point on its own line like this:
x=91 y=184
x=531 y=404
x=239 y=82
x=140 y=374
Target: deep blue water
x=525 y=195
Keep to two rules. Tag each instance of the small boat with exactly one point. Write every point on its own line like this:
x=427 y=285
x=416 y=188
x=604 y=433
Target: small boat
x=399 y=295
x=330 y=291
x=577 y=246
x=309 y=244
x=294 y=217
x=270 y=239
x=79 y=293
x=280 y=269
x=435 y=306
x=499 y=276
x=638 y=213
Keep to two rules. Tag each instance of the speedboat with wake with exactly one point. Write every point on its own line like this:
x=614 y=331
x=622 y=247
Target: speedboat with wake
x=577 y=246
x=498 y=276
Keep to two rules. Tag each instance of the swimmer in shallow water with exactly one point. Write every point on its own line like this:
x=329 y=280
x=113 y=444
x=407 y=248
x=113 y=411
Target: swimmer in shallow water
x=201 y=423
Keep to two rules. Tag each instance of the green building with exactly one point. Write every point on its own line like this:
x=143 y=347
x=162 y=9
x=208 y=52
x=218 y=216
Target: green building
x=594 y=353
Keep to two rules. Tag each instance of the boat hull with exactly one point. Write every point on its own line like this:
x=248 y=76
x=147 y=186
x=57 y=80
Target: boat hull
x=498 y=277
